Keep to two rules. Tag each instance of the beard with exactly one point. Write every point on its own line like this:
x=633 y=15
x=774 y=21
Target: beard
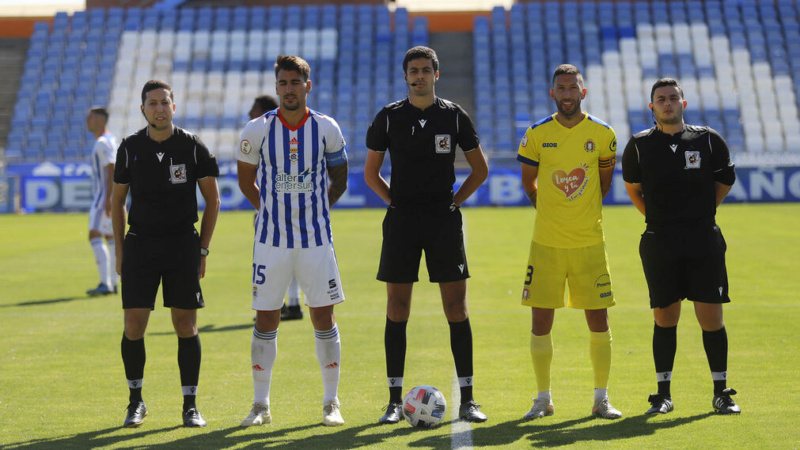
x=576 y=108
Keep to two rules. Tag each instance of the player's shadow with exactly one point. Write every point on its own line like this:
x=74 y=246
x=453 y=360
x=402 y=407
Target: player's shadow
x=44 y=302
x=211 y=328
x=541 y=433
x=93 y=439
x=344 y=437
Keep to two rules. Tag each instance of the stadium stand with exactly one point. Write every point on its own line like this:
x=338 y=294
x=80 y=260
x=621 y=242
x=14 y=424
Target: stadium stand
x=739 y=62
x=217 y=60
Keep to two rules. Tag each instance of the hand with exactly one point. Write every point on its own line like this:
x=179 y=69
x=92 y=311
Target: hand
x=202 y=266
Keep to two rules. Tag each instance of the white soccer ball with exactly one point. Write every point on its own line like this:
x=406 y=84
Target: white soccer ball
x=424 y=406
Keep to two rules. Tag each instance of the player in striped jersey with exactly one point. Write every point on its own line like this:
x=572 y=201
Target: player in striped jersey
x=285 y=158
x=262 y=105
x=104 y=153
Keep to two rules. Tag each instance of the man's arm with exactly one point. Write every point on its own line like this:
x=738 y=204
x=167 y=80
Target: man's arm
x=372 y=175
x=477 y=175
x=210 y=193
x=338 y=176
x=247 y=182
x=529 y=175
x=119 y=196
x=606 y=177
x=109 y=187
x=637 y=195
x=721 y=191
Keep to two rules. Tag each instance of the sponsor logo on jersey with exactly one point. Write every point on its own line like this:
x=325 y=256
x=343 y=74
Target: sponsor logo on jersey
x=613 y=145
x=549 y=144
x=286 y=183
x=177 y=173
x=602 y=280
x=422 y=122
x=245 y=147
x=572 y=184
x=442 y=143
x=589 y=146
x=692 y=160
x=674 y=147
x=160 y=156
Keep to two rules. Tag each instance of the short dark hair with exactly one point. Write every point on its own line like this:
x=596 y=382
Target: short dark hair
x=100 y=111
x=289 y=63
x=567 y=69
x=266 y=102
x=421 y=51
x=152 y=85
x=665 y=82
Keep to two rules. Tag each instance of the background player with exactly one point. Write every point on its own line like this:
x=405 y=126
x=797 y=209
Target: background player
x=421 y=133
x=104 y=153
x=677 y=175
x=567 y=166
x=261 y=105
x=162 y=166
x=285 y=159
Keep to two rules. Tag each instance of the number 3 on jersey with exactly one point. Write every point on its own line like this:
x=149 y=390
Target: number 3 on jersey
x=529 y=276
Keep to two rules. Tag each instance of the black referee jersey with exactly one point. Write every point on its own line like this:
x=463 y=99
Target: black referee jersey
x=678 y=173
x=422 y=148
x=163 y=180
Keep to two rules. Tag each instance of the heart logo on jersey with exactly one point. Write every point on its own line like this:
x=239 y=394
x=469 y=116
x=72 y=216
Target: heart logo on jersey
x=569 y=183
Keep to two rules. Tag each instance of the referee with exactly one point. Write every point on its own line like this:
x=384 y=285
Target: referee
x=677 y=175
x=422 y=133
x=162 y=166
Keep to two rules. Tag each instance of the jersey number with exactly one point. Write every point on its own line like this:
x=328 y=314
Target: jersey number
x=529 y=276
x=258 y=274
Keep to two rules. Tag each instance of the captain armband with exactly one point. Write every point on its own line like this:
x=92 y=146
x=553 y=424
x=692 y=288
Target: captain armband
x=607 y=163
x=336 y=158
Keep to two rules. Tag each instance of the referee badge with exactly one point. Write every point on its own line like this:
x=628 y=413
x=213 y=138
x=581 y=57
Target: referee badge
x=692 y=160
x=442 y=143
x=177 y=173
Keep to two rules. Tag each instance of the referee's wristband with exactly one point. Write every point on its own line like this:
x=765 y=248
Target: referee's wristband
x=203 y=251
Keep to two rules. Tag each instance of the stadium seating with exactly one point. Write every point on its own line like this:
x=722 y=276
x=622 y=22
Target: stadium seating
x=739 y=62
x=217 y=61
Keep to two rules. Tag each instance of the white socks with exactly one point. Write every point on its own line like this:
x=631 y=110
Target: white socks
x=263 y=351
x=101 y=260
x=294 y=292
x=329 y=354
x=112 y=262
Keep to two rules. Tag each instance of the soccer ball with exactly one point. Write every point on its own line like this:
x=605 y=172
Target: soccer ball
x=424 y=406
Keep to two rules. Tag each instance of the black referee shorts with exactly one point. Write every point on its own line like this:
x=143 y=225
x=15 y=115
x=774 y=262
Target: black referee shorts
x=172 y=261
x=407 y=231
x=684 y=263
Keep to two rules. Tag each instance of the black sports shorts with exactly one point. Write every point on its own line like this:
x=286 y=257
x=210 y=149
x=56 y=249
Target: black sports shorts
x=684 y=263
x=172 y=261
x=407 y=231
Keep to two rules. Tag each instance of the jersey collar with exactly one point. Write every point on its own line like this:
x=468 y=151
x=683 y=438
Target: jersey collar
x=291 y=128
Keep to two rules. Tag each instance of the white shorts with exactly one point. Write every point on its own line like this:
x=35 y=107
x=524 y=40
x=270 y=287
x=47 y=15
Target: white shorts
x=315 y=268
x=98 y=220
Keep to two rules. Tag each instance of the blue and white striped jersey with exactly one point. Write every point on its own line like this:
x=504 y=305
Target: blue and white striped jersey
x=292 y=176
x=104 y=152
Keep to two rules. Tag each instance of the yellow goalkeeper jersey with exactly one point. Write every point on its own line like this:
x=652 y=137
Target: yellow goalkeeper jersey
x=569 y=198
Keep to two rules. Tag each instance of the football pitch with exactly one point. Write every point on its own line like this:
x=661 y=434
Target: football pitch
x=62 y=384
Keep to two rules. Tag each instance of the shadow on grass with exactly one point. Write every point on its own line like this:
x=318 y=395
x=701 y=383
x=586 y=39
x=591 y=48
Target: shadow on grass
x=536 y=433
x=540 y=433
x=44 y=302
x=211 y=328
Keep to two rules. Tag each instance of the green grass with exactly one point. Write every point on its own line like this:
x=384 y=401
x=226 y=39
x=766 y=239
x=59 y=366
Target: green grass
x=62 y=383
